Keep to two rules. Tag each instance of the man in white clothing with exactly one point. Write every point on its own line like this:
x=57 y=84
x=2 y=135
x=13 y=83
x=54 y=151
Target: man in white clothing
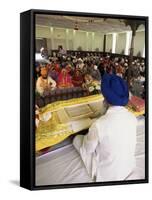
x=45 y=82
x=109 y=147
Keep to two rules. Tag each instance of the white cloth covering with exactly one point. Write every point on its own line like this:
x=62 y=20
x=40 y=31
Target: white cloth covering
x=62 y=166
x=65 y=166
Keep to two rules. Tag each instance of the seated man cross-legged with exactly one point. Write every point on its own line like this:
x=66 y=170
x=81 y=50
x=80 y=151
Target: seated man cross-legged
x=108 y=149
x=44 y=82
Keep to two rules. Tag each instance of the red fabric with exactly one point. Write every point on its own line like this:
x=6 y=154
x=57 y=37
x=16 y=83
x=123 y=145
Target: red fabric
x=77 y=80
x=137 y=103
x=57 y=68
x=64 y=80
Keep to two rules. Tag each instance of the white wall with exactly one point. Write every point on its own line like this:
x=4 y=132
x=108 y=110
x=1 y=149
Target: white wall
x=121 y=39
x=120 y=42
x=43 y=32
x=70 y=39
x=98 y=41
x=88 y=41
x=108 y=42
x=139 y=42
x=80 y=40
x=59 y=36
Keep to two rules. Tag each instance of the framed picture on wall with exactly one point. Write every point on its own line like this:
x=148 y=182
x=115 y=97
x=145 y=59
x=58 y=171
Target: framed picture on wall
x=84 y=99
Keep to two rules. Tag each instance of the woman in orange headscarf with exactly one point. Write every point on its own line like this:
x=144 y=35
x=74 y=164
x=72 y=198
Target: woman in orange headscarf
x=64 y=79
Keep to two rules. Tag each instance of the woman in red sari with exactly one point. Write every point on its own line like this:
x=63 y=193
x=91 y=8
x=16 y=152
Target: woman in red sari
x=77 y=79
x=64 y=79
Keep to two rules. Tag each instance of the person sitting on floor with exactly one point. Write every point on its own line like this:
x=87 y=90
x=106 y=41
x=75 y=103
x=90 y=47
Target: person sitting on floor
x=91 y=84
x=64 y=79
x=53 y=73
x=108 y=150
x=95 y=73
x=56 y=65
x=44 y=83
x=80 y=64
x=37 y=71
x=61 y=51
x=69 y=69
x=119 y=71
x=77 y=79
x=101 y=67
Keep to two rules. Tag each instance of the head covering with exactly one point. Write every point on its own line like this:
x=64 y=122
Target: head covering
x=80 y=60
x=95 y=67
x=116 y=64
x=114 y=89
x=44 y=70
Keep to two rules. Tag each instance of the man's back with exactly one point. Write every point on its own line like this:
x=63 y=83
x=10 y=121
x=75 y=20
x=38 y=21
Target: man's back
x=117 y=136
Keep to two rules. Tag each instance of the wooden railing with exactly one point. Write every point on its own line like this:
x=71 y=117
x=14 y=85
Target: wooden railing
x=60 y=94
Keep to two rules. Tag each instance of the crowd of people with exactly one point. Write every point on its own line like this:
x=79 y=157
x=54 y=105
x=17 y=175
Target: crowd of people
x=80 y=69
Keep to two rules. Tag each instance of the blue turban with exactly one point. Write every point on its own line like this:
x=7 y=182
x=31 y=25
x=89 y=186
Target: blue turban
x=114 y=89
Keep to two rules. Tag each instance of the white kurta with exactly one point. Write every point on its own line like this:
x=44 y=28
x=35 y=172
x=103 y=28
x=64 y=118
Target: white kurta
x=108 y=150
x=41 y=84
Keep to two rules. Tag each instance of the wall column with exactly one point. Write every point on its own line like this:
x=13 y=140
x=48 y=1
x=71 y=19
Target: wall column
x=143 y=54
x=87 y=34
x=52 y=37
x=104 y=43
x=92 y=42
x=67 y=39
x=128 y=41
x=114 y=40
x=74 y=45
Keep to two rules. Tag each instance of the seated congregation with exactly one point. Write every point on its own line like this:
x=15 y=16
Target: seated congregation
x=80 y=74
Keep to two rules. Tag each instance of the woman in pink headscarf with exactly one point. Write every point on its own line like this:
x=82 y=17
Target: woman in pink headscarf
x=64 y=79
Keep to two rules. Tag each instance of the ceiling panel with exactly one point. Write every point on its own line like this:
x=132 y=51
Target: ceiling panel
x=91 y=24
